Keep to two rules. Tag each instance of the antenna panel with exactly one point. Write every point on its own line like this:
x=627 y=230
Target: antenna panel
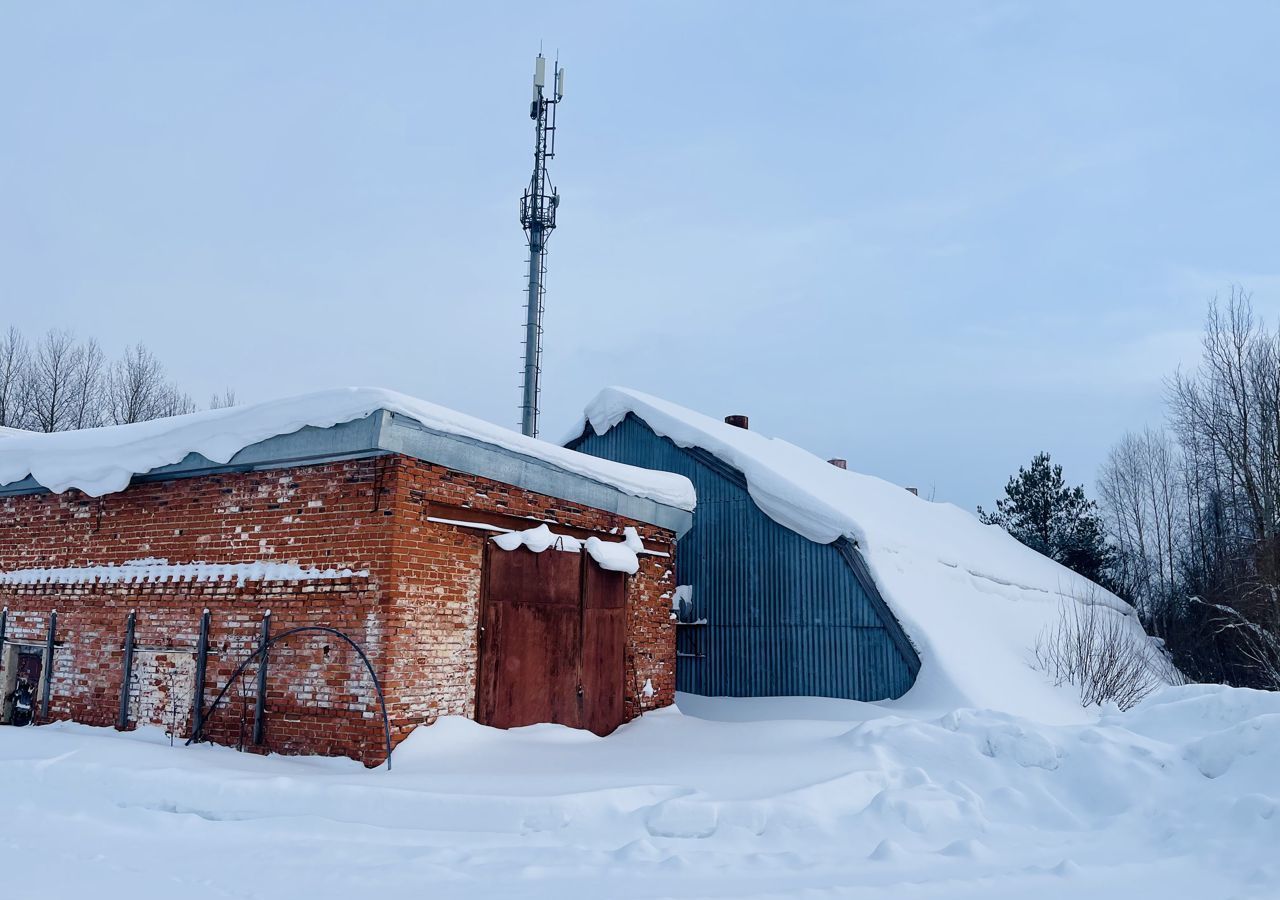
x=539 y=72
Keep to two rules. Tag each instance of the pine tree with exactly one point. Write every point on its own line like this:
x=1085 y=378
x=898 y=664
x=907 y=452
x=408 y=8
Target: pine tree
x=1059 y=521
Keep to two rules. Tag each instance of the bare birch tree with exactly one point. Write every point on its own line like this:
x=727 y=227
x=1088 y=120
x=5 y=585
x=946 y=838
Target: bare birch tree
x=1142 y=498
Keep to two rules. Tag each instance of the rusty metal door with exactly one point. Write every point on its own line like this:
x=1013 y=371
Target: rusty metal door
x=604 y=631
x=552 y=645
x=532 y=631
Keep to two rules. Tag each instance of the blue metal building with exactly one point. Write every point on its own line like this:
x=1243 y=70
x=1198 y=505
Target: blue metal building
x=771 y=613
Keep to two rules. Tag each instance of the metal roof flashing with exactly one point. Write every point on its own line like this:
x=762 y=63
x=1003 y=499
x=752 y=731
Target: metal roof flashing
x=406 y=436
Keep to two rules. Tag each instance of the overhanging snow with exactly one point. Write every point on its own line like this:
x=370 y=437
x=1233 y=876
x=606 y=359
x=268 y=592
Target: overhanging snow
x=100 y=461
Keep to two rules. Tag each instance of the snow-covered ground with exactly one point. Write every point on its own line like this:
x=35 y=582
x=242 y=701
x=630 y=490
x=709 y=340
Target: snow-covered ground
x=1179 y=797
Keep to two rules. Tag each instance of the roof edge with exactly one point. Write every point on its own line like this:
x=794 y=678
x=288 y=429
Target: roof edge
x=409 y=437
x=383 y=432
x=848 y=549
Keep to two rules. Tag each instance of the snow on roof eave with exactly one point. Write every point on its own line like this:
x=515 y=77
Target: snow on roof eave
x=769 y=485
x=104 y=460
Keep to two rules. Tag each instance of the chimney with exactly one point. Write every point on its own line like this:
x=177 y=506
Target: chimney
x=915 y=491
x=736 y=421
x=839 y=463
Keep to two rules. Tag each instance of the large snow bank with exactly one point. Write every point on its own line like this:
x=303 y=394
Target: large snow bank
x=1177 y=798
x=972 y=599
x=102 y=460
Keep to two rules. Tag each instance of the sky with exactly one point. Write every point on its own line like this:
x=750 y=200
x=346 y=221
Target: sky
x=932 y=238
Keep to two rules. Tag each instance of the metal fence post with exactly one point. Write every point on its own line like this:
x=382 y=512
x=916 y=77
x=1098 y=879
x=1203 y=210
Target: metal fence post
x=260 y=707
x=48 y=668
x=202 y=652
x=4 y=627
x=122 y=720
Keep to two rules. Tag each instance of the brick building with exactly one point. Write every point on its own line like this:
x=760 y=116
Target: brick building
x=381 y=517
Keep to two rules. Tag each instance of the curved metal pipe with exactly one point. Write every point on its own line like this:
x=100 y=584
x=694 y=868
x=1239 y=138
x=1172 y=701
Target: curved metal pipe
x=322 y=629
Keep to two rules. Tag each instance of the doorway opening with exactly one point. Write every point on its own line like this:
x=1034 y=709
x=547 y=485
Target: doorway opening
x=25 y=680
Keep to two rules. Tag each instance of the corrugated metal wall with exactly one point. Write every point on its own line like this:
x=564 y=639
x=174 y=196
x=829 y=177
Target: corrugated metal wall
x=784 y=616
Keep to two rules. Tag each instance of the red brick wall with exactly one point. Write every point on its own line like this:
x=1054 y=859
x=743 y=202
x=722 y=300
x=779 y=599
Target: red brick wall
x=317 y=702
x=415 y=612
x=324 y=516
x=319 y=515
x=436 y=588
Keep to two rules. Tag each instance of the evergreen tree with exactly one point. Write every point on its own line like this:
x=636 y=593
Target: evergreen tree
x=1059 y=521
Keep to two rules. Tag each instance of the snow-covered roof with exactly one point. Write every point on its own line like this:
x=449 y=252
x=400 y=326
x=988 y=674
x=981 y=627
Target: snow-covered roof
x=99 y=461
x=6 y=431
x=972 y=599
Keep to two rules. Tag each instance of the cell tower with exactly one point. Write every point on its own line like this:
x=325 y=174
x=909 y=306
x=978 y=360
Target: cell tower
x=538 y=218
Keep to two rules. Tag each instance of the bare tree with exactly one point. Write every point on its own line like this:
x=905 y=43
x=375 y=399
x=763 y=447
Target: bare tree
x=1197 y=525
x=224 y=400
x=52 y=387
x=15 y=374
x=1142 y=498
x=174 y=402
x=136 y=379
x=1230 y=408
x=61 y=383
x=137 y=389
x=89 y=386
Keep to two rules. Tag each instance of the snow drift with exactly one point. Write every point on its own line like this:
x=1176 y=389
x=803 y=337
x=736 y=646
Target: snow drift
x=972 y=599
x=100 y=461
x=1177 y=798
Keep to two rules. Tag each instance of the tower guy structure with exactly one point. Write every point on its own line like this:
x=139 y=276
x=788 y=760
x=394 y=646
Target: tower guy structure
x=538 y=218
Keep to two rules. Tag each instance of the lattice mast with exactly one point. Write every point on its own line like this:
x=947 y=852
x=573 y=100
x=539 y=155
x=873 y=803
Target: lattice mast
x=538 y=218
